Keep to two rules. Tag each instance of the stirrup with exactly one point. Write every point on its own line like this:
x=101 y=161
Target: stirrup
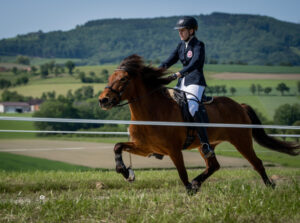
x=207 y=151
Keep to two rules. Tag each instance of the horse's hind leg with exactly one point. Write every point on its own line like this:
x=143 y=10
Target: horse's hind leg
x=212 y=165
x=245 y=146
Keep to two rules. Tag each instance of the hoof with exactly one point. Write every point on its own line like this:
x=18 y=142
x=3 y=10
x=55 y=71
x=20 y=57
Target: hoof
x=131 y=176
x=127 y=173
x=193 y=188
x=271 y=184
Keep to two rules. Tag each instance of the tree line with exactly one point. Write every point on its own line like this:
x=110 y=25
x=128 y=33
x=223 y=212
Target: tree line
x=254 y=89
x=229 y=38
x=281 y=87
x=220 y=89
x=92 y=78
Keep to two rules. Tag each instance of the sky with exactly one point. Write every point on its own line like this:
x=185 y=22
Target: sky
x=24 y=16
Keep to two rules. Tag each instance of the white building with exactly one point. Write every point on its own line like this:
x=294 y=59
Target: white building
x=14 y=107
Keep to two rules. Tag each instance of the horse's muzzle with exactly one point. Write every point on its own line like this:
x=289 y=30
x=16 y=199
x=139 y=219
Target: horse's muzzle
x=105 y=103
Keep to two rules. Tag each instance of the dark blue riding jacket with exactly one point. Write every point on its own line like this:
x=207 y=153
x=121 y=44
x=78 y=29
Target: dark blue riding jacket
x=192 y=59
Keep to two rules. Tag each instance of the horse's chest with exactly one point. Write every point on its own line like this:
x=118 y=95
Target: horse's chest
x=144 y=132
x=148 y=136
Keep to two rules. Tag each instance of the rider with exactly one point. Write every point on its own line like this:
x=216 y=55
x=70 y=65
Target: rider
x=190 y=51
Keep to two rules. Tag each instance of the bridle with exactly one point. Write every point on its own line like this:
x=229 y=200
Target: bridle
x=118 y=93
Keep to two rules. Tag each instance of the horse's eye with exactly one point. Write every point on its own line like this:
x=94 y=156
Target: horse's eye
x=123 y=79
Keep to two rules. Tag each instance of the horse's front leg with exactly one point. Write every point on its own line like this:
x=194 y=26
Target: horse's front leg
x=178 y=161
x=120 y=166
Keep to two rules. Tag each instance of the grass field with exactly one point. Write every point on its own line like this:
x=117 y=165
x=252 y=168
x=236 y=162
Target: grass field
x=12 y=162
x=266 y=155
x=267 y=105
x=63 y=83
x=230 y=195
x=36 y=61
x=251 y=68
x=36 y=90
x=17 y=125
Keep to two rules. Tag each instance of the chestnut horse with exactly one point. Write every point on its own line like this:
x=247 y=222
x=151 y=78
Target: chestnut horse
x=143 y=87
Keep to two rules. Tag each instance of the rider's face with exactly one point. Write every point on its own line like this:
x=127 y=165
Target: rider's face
x=185 y=33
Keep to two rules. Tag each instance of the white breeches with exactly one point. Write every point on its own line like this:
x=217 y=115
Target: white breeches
x=196 y=95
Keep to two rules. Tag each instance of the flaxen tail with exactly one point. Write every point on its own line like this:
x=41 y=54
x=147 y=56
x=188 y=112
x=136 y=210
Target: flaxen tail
x=269 y=142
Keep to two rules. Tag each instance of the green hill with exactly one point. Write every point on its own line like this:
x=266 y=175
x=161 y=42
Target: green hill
x=228 y=37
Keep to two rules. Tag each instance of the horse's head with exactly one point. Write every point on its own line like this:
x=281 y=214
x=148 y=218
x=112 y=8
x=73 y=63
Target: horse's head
x=115 y=91
x=131 y=74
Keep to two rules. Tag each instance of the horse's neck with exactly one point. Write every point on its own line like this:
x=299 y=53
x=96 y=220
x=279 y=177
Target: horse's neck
x=155 y=106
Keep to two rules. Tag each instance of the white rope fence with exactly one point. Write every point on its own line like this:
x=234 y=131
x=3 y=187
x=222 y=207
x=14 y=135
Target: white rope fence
x=65 y=132
x=95 y=121
x=111 y=133
x=155 y=123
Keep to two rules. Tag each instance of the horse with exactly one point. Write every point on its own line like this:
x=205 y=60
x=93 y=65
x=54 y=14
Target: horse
x=144 y=89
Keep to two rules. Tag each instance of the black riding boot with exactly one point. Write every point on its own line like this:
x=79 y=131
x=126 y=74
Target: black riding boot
x=201 y=117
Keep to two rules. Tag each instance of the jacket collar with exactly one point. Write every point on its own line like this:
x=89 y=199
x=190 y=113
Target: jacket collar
x=189 y=43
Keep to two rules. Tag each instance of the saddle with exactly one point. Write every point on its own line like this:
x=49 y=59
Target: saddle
x=180 y=98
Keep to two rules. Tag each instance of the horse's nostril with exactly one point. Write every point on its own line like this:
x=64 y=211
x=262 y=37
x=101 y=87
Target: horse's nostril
x=103 y=101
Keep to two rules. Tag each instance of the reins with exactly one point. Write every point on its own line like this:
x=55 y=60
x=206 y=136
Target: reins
x=151 y=92
x=139 y=98
x=119 y=93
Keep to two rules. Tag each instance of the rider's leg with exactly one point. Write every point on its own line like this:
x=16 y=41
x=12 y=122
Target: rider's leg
x=198 y=112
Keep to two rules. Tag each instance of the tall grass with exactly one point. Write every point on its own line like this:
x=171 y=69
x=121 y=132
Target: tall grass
x=230 y=195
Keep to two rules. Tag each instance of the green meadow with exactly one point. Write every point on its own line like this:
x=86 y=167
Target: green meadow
x=230 y=195
x=16 y=125
x=61 y=88
x=13 y=162
x=266 y=155
x=65 y=82
x=219 y=68
x=267 y=105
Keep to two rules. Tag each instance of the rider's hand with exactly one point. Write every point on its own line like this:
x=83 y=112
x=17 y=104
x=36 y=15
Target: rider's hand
x=172 y=77
x=178 y=75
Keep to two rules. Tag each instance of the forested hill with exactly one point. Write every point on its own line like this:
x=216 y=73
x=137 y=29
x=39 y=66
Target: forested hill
x=228 y=37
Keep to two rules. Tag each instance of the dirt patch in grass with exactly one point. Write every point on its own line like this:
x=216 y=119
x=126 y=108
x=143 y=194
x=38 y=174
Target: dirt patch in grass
x=100 y=155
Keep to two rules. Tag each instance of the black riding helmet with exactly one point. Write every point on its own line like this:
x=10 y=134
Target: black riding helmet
x=187 y=22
